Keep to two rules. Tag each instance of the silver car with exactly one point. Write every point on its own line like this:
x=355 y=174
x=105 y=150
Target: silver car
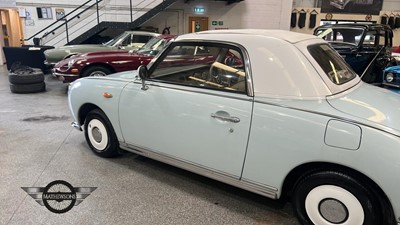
x=273 y=112
x=129 y=40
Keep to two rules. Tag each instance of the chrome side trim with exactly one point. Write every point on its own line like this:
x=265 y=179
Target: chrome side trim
x=267 y=191
x=391 y=85
x=65 y=74
x=47 y=63
x=197 y=90
x=375 y=126
x=76 y=125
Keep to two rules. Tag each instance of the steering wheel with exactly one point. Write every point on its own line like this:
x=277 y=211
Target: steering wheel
x=214 y=74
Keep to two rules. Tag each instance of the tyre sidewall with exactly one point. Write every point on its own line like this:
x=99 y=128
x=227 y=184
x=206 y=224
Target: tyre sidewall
x=27 y=88
x=111 y=149
x=29 y=78
x=365 y=197
x=86 y=72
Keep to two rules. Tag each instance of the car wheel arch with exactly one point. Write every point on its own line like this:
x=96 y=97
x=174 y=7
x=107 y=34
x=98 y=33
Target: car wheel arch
x=84 y=111
x=91 y=65
x=304 y=170
x=70 y=55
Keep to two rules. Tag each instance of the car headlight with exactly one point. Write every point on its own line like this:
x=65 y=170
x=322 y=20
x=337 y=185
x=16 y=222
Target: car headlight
x=389 y=77
x=71 y=62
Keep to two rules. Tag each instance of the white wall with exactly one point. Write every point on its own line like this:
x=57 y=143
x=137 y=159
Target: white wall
x=110 y=10
x=259 y=14
x=33 y=24
x=271 y=14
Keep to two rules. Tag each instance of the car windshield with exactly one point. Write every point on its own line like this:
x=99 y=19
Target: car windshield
x=152 y=47
x=332 y=64
x=351 y=36
x=115 y=40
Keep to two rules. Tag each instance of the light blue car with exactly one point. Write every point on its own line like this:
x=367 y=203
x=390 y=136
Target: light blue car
x=274 y=112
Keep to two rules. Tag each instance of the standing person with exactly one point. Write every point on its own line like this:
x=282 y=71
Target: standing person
x=166 y=31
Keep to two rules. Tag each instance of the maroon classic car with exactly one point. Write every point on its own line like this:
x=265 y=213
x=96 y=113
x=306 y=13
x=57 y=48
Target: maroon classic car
x=107 y=62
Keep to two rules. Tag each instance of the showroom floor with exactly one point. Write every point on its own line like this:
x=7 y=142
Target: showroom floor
x=38 y=146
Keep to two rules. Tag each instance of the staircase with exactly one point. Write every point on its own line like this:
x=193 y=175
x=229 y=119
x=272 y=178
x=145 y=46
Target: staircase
x=72 y=28
x=123 y=25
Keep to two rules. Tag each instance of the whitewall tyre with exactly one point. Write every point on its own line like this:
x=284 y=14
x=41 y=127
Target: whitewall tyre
x=329 y=204
x=335 y=198
x=100 y=134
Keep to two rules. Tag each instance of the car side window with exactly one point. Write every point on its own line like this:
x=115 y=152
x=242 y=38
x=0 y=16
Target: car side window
x=139 y=40
x=369 y=39
x=210 y=66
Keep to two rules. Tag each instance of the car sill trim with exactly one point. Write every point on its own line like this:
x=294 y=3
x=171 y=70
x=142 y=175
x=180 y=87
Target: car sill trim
x=267 y=191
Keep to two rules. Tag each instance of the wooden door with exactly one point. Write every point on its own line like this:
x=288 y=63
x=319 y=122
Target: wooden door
x=197 y=23
x=11 y=27
x=4 y=30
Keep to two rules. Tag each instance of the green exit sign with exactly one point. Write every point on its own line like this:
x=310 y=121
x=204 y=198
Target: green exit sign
x=199 y=10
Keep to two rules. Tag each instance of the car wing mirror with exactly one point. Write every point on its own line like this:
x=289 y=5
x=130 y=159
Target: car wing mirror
x=143 y=74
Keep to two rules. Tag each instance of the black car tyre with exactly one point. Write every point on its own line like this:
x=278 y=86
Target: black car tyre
x=27 y=88
x=96 y=71
x=26 y=77
x=100 y=134
x=329 y=197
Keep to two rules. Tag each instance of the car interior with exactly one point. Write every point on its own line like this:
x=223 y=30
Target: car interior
x=210 y=67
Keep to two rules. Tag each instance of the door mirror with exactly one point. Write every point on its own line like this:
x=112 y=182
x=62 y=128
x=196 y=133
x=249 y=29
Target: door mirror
x=143 y=74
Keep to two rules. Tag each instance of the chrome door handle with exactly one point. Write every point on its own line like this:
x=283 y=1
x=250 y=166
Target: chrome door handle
x=232 y=119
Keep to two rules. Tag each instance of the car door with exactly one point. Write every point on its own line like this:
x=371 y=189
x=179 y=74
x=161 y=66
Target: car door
x=197 y=112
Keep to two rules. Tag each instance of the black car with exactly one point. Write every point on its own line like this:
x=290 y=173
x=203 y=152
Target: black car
x=365 y=47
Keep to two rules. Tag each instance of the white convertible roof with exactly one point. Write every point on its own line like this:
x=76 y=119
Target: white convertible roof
x=288 y=36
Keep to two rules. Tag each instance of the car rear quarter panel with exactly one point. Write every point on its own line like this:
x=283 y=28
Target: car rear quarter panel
x=285 y=135
x=90 y=91
x=279 y=69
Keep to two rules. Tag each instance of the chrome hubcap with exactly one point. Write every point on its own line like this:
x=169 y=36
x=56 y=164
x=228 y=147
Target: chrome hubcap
x=333 y=211
x=97 y=134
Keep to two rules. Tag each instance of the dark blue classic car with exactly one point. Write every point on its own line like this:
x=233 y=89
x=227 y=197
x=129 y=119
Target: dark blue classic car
x=365 y=47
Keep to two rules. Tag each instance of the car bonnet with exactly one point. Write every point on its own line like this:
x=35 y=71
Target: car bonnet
x=131 y=74
x=393 y=69
x=371 y=103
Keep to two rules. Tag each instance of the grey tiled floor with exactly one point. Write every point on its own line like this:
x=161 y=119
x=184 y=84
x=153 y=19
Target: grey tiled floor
x=37 y=146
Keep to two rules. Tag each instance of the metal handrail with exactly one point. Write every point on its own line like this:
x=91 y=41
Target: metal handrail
x=76 y=16
x=137 y=11
x=64 y=19
x=76 y=30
